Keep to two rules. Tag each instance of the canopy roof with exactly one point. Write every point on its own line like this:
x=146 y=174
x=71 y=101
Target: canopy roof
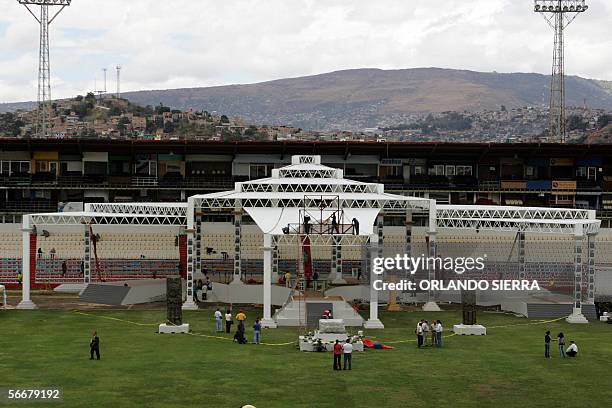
x=276 y=201
x=304 y=184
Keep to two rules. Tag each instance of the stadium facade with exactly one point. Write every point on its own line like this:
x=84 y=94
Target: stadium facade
x=46 y=176
x=43 y=175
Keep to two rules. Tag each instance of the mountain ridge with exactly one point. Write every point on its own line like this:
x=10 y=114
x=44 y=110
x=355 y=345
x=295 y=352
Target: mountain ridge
x=368 y=97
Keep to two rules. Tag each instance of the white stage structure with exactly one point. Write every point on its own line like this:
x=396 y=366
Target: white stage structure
x=278 y=204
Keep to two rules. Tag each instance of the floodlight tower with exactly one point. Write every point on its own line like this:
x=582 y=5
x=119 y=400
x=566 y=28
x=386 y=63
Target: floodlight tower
x=44 y=70
x=118 y=68
x=558 y=14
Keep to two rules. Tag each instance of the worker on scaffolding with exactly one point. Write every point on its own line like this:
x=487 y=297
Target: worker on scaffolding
x=334 y=223
x=306 y=224
x=355 y=223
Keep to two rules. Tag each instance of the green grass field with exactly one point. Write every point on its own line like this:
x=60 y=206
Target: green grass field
x=140 y=368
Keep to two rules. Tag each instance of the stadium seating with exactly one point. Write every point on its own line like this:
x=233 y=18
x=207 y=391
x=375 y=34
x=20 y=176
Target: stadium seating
x=549 y=258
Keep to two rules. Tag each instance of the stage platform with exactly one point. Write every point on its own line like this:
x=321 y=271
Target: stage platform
x=129 y=292
x=547 y=306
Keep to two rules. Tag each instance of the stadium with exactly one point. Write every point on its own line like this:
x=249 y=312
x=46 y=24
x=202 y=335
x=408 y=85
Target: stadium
x=290 y=231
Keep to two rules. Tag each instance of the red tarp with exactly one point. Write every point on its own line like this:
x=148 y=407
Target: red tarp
x=368 y=343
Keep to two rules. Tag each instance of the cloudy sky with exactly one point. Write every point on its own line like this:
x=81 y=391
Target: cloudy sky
x=180 y=43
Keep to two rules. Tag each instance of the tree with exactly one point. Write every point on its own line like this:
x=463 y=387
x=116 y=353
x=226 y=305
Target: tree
x=228 y=136
x=122 y=125
x=168 y=127
x=224 y=119
x=114 y=111
x=160 y=109
x=575 y=122
x=10 y=125
x=250 y=131
x=603 y=121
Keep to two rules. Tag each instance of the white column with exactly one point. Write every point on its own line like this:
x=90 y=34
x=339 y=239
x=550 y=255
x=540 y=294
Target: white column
x=577 y=316
x=521 y=256
x=191 y=256
x=87 y=256
x=591 y=269
x=237 y=278
x=267 y=320
x=197 y=248
x=26 y=302
x=337 y=260
x=373 y=322
x=431 y=305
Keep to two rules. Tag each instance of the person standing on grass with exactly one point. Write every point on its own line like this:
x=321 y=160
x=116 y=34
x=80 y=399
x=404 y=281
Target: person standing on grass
x=337 y=355
x=218 y=319
x=94 y=346
x=228 y=321
x=241 y=317
x=425 y=327
x=561 y=341
x=433 y=333
x=419 y=333
x=547 y=344
x=439 y=331
x=572 y=350
x=257 y=332
x=347 y=349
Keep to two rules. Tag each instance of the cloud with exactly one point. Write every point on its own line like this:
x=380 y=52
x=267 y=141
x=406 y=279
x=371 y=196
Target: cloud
x=201 y=43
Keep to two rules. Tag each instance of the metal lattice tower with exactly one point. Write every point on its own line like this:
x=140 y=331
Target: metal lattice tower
x=118 y=68
x=44 y=66
x=558 y=14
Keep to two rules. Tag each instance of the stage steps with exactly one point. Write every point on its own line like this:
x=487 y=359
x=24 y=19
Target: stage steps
x=104 y=294
x=300 y=311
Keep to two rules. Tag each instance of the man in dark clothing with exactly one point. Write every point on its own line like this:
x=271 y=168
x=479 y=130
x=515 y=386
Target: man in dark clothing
x=94 y=346
x=239 y=336
x=355 y=226
x=306 y=224
x=64 y=269
x=334 y=223
x=547 y=345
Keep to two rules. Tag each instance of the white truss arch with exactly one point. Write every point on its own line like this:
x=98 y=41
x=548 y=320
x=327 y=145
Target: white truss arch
x=308 y=185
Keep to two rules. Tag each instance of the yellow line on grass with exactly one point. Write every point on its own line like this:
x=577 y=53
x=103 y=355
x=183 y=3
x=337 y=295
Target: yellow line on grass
x=155 y=324
x=115 y=318
x=489 y=327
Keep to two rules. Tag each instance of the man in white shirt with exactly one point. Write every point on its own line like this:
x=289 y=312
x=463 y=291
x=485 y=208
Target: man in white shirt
x=438 y=329
x=425 y=327
x=572 y=350
x=347 y=350
x=419 y=333
x=228 y=321
x=218 y=319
